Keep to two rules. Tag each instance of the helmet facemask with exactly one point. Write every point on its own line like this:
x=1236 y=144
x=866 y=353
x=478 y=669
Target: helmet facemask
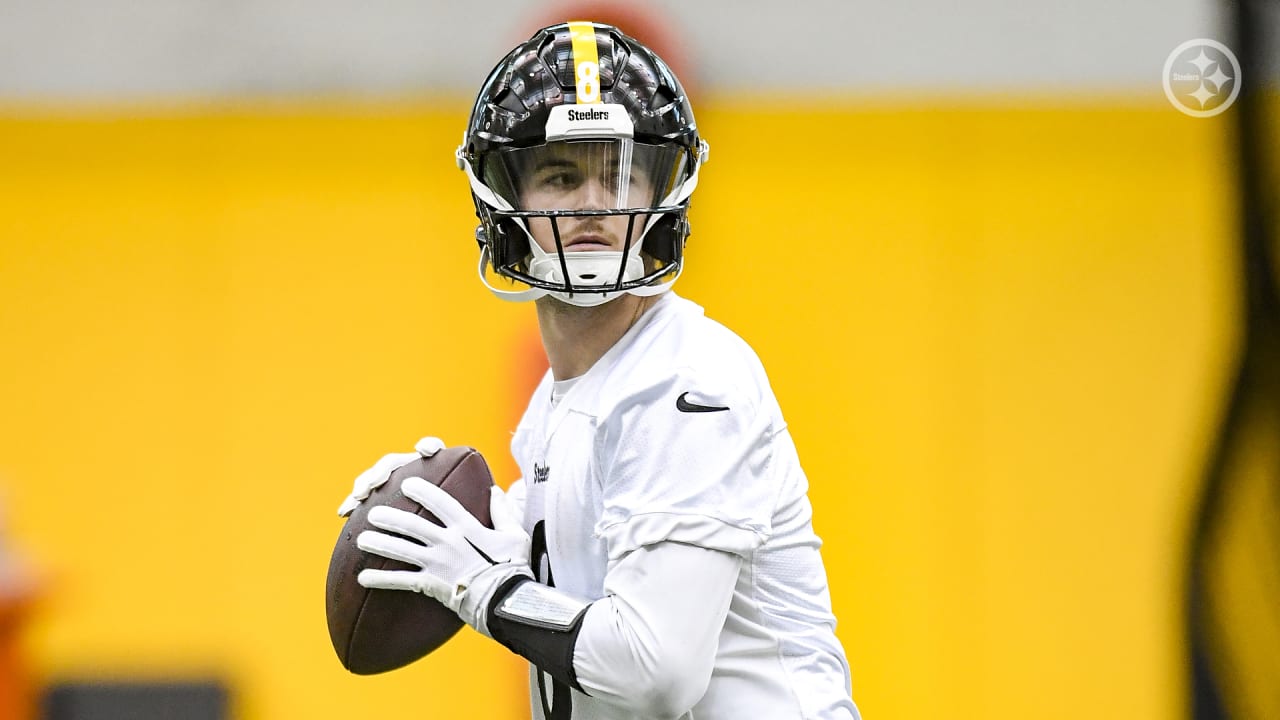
x=575 y=215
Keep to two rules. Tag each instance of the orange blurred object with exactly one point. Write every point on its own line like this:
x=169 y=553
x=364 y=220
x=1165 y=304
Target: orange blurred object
x=19 y=591
x=16 y=690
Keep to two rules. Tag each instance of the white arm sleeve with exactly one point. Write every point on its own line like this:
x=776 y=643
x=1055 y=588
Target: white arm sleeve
x=650 y=644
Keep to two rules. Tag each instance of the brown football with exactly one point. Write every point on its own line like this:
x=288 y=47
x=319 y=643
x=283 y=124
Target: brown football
x=374 y=631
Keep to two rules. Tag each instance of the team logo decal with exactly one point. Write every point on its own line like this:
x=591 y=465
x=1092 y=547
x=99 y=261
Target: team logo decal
x=540 y=473
x=1201 y=77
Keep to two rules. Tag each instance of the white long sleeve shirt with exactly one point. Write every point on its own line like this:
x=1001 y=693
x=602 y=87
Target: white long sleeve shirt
x=663 y=485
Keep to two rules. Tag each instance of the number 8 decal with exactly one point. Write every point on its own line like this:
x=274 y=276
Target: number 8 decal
x=588 y=81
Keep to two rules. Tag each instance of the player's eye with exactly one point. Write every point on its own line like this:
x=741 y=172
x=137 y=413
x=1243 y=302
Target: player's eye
x=610 y=181
x=609 y=177
x=558 y=178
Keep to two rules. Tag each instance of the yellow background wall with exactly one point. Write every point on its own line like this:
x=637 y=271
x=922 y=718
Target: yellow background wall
x=998 y=329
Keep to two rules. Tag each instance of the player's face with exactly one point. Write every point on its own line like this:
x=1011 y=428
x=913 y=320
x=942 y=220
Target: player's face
x=586 y=176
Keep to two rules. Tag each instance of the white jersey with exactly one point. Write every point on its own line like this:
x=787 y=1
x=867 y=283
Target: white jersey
x=675 y=435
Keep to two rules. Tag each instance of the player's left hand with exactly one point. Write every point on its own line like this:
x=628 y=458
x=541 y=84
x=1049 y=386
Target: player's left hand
x=460 y=564
x=373 y=478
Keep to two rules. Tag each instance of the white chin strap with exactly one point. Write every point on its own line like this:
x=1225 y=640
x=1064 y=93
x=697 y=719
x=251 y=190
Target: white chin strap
x=587 y=269
x=605 y=262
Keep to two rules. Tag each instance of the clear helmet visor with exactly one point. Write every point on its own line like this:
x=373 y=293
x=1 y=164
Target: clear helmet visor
x=576 y=175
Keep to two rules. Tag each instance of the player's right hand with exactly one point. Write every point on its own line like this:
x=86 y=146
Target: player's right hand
x=460 y=562
x=373 y=478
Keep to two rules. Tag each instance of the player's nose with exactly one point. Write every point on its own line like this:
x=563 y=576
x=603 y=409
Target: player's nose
x=593 y=194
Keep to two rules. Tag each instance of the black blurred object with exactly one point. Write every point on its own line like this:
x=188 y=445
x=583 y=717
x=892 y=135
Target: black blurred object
x=121 y=700
x=1233 y=609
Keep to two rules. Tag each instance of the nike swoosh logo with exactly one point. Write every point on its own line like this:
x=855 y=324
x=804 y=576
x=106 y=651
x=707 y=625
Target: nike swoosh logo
x=685 y=406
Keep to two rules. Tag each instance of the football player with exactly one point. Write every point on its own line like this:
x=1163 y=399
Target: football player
x=657 y=559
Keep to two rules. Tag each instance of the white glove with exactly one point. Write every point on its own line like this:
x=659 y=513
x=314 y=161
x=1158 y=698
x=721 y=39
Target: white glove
x=373 y=478
x=460 y=564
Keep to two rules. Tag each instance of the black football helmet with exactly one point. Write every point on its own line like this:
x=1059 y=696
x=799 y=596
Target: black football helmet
x=577 y=133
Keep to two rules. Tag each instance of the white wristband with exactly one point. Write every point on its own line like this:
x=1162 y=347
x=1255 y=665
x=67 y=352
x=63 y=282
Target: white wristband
x=538 y=605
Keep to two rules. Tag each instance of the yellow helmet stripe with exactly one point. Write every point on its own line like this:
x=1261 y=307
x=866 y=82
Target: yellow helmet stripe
x=586 y=61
